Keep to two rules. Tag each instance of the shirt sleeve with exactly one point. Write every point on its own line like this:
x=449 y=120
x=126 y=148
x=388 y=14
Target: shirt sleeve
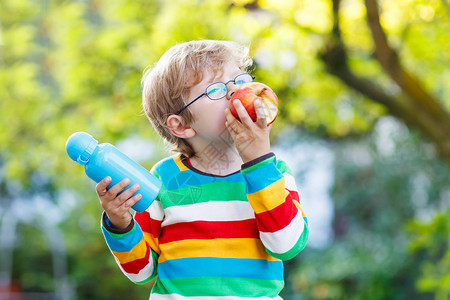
x=273 y=195
x=136 y=248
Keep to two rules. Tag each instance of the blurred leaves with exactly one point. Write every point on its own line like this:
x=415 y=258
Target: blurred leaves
x=430 y=241
x=391 y=224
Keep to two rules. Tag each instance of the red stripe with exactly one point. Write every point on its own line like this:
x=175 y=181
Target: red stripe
x=294 y=195
x=209 y=230
x=279 y=217
x=148 y=224
x=135 y=266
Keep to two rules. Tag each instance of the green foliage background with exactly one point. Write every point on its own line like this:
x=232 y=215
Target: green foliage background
x=69 y=66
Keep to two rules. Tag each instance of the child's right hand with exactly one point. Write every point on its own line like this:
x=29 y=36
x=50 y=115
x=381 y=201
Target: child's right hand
x=117 y=206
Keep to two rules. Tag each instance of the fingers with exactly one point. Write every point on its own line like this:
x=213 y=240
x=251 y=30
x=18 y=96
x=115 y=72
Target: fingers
x=117 y=188
x=125 y=195
x=235 y=126
x=242 y=113
x=260 y=114
x=232 y=124
x=118 y=193
x=101 y=186
x=245 y=118
x=131 y=201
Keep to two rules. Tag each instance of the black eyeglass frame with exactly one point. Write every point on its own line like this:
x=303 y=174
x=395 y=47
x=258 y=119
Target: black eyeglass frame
x=206 y=94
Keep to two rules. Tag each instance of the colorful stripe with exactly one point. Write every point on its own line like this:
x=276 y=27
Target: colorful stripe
x=179 y=163
x=146 y=274
x=179 y=194
x=134 y=267
x=155 y=211
x=218 y=286
x=148 y=224
x=153 y=242
x=299 y=245
x=277 y=218
x=123 y=242
x=209 y=230
x=226 y=248
x=165 y=170
x=289 y=182
x=268 y=198
x=284 y=240
x=175 y=179
x=209 y=211
x=150 y=227
x=261 y=178
x=220 y=267
x=258 y=165
x=179 y=297
x=137 y=252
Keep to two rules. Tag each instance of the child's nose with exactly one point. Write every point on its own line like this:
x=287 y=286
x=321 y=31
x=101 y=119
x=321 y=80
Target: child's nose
x=231 y=89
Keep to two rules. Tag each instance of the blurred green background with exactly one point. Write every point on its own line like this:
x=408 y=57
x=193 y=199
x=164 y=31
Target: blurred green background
x=364 y=89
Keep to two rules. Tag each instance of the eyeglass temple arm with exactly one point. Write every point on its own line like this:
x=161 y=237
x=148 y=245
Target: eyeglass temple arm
x=186 y=106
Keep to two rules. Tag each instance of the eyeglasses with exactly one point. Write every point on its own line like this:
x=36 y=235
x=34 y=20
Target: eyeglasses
x=218 y=90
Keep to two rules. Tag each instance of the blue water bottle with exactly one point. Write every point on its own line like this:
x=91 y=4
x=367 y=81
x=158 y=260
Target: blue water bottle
x=101 y=160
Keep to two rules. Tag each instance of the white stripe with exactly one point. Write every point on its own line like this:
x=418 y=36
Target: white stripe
x=283 y=240
x=156 y=211
x=209 y=211
x=179 y=297
x=289 y=182
x=143 y=274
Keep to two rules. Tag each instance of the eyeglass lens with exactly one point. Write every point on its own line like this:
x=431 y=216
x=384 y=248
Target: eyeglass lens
x=218 y=90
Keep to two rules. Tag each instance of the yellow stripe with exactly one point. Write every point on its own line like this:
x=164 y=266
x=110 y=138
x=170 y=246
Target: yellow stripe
x=137 y=252
x=152 y=241
x=298 y=206
x=225 y=248
x=268 y=198
x=181 y=166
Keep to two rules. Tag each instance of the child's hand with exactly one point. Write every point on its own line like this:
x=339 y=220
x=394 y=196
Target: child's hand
x=251 y=138
x=117 y=206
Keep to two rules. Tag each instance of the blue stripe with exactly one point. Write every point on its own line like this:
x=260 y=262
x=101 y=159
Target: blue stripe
x=166 y=169
x=262 y=177
x=174 y=179
x=221 y=267
x=125 y=242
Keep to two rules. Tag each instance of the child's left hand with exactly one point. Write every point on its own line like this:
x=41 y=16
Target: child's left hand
x=251 y=138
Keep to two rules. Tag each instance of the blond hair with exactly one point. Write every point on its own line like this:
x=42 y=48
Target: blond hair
x=167 y=84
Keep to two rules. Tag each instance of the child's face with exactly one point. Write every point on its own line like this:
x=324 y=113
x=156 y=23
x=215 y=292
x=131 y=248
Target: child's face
x=209 y=115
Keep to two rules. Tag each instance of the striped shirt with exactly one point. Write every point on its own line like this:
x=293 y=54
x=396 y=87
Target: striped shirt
x=214 y=237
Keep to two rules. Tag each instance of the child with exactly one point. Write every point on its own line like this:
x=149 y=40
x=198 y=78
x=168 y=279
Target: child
x=228 y=212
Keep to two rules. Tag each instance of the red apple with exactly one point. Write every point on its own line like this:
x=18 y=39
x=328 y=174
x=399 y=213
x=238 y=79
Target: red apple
x=248 y=93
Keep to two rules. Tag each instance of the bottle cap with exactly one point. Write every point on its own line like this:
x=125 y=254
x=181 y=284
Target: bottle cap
x=80 y=146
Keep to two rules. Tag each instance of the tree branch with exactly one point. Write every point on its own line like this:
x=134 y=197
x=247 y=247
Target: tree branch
x=416 y=107
x=432 y=117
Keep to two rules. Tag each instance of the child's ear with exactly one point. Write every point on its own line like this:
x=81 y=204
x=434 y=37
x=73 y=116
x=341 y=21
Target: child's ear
x=176 y=126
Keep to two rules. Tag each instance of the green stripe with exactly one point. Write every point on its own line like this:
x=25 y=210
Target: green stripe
x=155 y=264
x=258 y=165
x=219 y=286
x=121 y=235
x=301 y=243
x=283 y=167
x=216 y=191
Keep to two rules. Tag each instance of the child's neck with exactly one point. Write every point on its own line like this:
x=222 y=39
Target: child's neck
x=217 y=159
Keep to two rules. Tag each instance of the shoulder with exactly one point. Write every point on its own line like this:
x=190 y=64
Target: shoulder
x=168 y=167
